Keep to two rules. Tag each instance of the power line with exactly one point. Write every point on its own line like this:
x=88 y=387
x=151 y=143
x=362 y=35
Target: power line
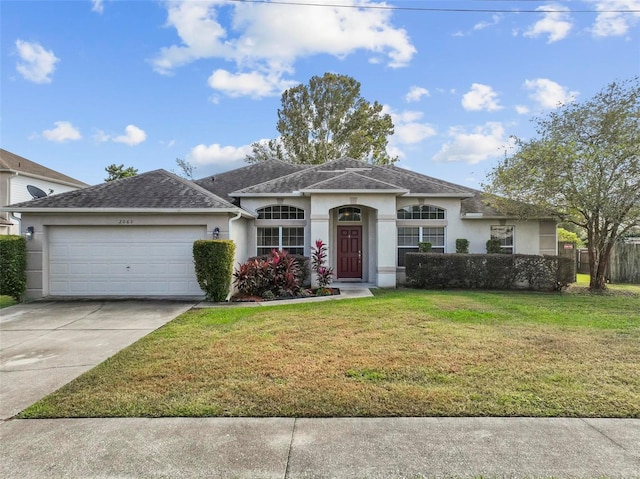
x=434 y=9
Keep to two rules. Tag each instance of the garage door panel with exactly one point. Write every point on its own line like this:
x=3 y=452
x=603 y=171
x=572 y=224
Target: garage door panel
x=141 y=261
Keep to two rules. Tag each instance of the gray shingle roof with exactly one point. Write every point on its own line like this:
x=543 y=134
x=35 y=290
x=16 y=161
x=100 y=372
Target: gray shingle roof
x=12 y=162
x=224 y=183
x=401 y=179
x=352 y=181
x=154 y=189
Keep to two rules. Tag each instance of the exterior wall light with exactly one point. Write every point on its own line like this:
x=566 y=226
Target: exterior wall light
x=29 y=233
x=216 y=233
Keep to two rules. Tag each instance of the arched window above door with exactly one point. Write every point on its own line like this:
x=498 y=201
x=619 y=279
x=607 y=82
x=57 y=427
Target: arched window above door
x=349 y=213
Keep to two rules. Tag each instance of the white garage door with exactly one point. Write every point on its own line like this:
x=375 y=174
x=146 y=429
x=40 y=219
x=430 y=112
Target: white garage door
x=123 y=261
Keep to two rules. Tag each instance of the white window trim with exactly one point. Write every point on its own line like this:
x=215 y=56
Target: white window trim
x=280 y=246
x=421 y=237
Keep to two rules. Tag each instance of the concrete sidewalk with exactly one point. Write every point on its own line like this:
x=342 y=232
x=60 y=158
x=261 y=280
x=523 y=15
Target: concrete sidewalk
x=320 y=448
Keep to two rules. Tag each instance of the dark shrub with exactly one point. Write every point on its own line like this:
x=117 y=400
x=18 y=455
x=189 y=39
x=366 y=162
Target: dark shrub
x=566 y=272
x=13 y=266
x=493 y=246
x=425 y=247
x=494 y=271
x=214 y=266
x=462 y=246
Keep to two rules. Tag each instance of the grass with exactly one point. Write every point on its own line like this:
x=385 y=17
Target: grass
x=6 y=301
x=401 y=353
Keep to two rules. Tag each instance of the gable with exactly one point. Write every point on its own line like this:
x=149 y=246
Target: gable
x=156 y=189
x=14 y=163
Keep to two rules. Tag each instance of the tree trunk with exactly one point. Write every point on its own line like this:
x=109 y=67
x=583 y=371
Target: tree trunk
x=598 y=270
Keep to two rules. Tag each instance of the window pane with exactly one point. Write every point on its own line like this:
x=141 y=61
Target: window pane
x=435 y=236
x=292 y=237
x=504 y=234
x=421 y=212
x=280 y=212
x=349 y=214
x=408 y=236
x=402 y=255
x=268 y=237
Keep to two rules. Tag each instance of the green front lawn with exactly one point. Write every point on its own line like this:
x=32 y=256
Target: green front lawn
x=6 y=301
x=401 y=353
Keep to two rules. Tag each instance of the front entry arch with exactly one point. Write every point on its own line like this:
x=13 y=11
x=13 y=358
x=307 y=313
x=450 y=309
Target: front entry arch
x=349 y=252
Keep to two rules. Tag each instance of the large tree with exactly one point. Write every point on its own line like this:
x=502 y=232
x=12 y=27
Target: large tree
x=116 y=172
x=584 y=168
x=325 y=120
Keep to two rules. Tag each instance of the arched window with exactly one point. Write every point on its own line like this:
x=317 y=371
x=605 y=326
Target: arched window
x=349 y=213
x=421 y=212
x=280 y=212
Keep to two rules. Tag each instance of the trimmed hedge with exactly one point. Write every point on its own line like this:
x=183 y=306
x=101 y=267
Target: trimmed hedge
x=487 y=271
x=13 y=266
x=213 y=261
x=462 y=246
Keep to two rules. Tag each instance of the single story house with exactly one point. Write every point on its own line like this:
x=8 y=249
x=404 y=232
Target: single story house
x=134 y=236
x=21 y=180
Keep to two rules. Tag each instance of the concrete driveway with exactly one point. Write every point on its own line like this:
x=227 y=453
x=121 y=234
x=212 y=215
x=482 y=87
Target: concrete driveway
x=44 y=345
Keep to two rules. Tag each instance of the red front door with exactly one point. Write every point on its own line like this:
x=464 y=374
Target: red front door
x=349 y=252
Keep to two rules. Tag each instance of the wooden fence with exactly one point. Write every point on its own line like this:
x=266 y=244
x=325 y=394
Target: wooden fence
x=624 y=266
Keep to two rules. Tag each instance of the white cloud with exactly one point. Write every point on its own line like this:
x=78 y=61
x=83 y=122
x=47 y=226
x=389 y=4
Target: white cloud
x=216 y=154
x=481 y=97
x=100 y=136
x=408 y=129
x=549 y=94
x=97 y=6
x=495 y=19
x=269 y=38
x=133 y=136
x=416 y=93
x=63 y=131
x=37 y=64
x=608 y=24
x=252 y=84
x=484 y=142
x=522 y=109
x=556 y=24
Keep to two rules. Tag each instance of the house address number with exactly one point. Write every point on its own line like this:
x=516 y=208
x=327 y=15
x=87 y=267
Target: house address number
x=125 y=222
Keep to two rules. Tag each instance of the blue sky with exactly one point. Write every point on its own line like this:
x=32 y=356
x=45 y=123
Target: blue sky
x=85 y=84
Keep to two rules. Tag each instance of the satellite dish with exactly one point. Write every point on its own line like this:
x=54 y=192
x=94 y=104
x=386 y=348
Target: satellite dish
x=35 y=192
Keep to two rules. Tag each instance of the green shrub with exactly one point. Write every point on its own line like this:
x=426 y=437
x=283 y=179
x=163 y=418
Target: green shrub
x=425 y=247
x=493 y=246
x=482 y=271
x=214 y=266
x=566 y=272
x=13 y=266
x=462 y=246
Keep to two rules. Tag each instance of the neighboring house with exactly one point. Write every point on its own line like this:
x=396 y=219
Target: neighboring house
x=19 y=175
x=133 y=237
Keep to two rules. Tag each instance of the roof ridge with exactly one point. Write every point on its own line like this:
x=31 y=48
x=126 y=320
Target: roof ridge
x=191 y=184
x=351 y=173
